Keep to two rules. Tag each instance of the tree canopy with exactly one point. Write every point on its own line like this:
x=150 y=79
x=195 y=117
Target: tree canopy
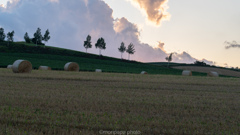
x=100 y=44
x=46 y=36
x=122 y=49
x=26 y=38
x=169 y=58
x=10 y=36
x=2 y=35
x=130 y=50
x=37 y=37
x=87 y=43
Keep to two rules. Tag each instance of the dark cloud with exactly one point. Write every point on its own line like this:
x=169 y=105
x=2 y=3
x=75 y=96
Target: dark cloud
x=232 y=44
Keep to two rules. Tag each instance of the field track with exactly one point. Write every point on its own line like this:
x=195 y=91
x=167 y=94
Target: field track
x=208 y=69
x=58 y=102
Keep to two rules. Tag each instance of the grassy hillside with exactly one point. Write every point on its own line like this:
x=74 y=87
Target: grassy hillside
x=172 y=65
x=58 y=57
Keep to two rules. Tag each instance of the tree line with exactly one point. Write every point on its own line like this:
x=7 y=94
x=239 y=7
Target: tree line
x=101 y=45
x=3 y=36
x=38 y=39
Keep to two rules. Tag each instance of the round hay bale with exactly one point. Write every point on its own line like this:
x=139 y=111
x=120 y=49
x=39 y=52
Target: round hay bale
x=144 y=72
x=9 y=67
x=98 y=70
x=71 y=66
x=22 y=66
x=213 y=74
x=187 y=73
x=44 y=68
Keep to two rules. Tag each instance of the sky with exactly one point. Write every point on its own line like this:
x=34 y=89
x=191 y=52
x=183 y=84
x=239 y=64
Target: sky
x=191 y=29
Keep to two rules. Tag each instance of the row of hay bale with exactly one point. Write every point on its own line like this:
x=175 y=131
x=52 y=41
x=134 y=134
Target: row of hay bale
x=210 y=74
x=24 y=66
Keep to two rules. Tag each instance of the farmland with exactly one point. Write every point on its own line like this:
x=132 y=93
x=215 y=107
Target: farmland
x=58 y=102
x=56 y=58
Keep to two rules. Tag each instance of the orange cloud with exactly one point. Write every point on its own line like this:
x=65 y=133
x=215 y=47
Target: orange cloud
x=155 y=9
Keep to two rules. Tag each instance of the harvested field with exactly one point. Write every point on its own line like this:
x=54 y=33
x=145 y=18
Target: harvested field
x=59 y=102
x=208 y=69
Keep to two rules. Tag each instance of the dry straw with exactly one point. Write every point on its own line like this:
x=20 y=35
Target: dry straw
x=98 y=70
x=143 y=72
x=44 y=68
x=22 y=66
x=187 y=73
x=213 y=74
x=71 y=66
x=9 y=67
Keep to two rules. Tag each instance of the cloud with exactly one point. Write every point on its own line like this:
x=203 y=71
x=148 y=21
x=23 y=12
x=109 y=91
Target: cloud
x=155 y=10
x=69 y=23
x=161 y=45
x=232 y=44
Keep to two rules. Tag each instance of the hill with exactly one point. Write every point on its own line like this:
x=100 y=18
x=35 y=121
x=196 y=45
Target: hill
x=201 y=69
x=57 y=57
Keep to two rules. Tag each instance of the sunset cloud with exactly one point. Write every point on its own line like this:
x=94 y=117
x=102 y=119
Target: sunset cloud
x=156 y=10
x=69 y=22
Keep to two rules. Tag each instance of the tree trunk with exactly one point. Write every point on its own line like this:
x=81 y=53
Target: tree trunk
x=99 y=52
x=121 y=55
x=168 y=64
x=86 y=50
x=129 y=56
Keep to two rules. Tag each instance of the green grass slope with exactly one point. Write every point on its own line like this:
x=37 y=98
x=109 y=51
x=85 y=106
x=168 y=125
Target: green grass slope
x=56 y=58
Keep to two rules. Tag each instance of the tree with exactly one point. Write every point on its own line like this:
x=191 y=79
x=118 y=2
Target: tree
x=37 y=37
x=169 y=58
x=87 y=43
x=26 y=38
x=46 y=36
x=2 y=35
x=10 y=36
x=122 y=49
x=199 y=63
x=130 y=50
x=100 y=44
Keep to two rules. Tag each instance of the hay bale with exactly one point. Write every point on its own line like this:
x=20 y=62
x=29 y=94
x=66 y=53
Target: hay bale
x=213 y=74
x=187 y=73
x=44 y=68
x=71 y=66
x=143 y=72
x=9 y=67
x=22 y=66
x=98 y=70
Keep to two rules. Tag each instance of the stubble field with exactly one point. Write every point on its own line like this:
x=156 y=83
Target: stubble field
x=58 y=102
